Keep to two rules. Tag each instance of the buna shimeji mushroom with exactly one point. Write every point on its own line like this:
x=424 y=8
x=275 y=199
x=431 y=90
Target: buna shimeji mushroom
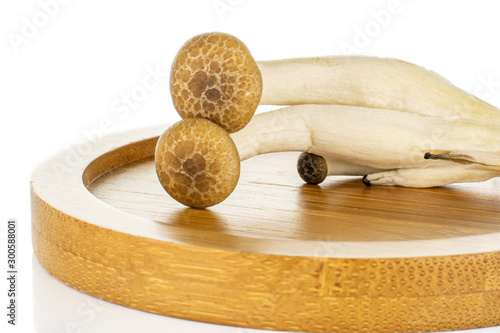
x=215 y=77
x=198 y=162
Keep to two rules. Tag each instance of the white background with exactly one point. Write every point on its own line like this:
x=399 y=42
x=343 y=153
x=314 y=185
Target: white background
x=63 y=73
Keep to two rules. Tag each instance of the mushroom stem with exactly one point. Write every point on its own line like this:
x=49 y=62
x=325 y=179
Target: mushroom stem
x=338 y=167
x=432 y=176
x=370 y=82
x=198 y=162
x=313 y=169
x=370 y=140
x=275 y=131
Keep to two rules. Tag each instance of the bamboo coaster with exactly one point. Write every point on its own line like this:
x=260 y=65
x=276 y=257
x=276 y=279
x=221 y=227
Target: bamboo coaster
x=277 y=254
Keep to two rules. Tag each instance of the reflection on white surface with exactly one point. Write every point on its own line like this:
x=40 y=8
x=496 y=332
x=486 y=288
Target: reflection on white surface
x=62 y=309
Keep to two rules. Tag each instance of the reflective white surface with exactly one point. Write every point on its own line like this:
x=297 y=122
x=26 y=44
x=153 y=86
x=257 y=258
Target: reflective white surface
x=59 y=308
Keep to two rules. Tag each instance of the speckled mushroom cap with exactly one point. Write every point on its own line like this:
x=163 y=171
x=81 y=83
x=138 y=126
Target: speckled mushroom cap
x=215 y=77
x=197 y=162
x=313 y=169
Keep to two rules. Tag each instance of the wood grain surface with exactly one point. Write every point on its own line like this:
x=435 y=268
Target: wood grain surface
x=283 y=206
x=277 y=254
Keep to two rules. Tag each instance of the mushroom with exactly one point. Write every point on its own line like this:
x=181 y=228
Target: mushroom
x=197 y=162
x=197 y=159
x=214 y=76
x=313 y=169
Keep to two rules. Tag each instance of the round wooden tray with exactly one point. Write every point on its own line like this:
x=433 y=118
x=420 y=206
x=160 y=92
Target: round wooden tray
x=277 y=254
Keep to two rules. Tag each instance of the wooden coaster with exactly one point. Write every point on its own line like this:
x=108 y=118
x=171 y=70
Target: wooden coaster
x=277 y=254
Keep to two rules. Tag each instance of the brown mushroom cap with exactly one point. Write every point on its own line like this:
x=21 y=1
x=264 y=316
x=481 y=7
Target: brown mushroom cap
x=215 y=77
x=312 y=168
x=197 y=162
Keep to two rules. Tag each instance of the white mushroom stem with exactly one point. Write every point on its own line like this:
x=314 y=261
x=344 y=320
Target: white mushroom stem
x=338 y=167
x=432 y=176
x=369 y=82
x=378 y=139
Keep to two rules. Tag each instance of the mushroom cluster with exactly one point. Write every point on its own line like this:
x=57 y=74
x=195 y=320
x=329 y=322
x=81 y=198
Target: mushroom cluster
x=216 y=87
x=390 y=121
